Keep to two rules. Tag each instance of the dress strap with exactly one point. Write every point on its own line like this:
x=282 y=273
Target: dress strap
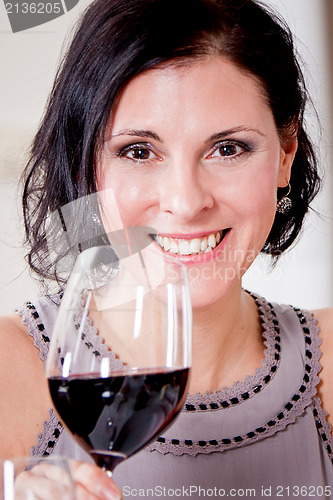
x=36 y=328
x=40 y=319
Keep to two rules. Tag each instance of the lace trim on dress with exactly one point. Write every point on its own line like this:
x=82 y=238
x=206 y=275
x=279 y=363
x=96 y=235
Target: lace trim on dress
x=323 y=426
x=96 y=344
x=252 y=384
x=52 y=428
x=30 y=318
x=47 y=440
x=288 y=414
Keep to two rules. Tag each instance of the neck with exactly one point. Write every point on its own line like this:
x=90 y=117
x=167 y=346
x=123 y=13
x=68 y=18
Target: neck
x=227 y=342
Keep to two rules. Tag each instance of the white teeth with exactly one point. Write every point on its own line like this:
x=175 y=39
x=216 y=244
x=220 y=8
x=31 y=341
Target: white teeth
x=173 y=247
x=195 y=245
x=166 y=244
x=187 y=247
x=184 y=247
x=160 y=240
x=203 y=245
x=212 y=240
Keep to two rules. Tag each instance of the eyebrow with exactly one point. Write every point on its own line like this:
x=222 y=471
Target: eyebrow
x=225 y=133
x=215 y=137
x=138 y=133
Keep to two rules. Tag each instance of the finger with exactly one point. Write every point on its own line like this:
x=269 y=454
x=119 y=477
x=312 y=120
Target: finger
x=53 y=470
x=94 y=481
x=81 y=493
x=32 y=486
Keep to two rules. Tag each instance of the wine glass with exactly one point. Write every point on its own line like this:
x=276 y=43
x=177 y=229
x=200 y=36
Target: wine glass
x=119 y=359
x=32 y=478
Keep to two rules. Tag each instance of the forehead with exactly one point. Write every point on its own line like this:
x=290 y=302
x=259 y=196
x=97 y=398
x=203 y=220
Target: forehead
x=213 y=87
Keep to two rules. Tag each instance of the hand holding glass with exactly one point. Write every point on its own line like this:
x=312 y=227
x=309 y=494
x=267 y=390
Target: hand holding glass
x=32 y=478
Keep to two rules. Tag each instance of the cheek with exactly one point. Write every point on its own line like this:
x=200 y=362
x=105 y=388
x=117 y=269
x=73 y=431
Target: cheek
x=258 y=214
x=255 y=194
x=251 y=206
x=261 y=202
x=123 y=200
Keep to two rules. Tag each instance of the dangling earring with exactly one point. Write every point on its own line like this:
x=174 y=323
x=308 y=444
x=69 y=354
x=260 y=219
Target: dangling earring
x=284 y=205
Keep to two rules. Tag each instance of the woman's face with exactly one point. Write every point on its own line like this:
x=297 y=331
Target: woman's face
x=193 y=152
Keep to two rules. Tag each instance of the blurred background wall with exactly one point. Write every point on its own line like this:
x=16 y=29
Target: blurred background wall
x=304 y=276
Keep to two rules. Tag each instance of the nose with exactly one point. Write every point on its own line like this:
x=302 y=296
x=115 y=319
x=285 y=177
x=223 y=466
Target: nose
x=186 y=191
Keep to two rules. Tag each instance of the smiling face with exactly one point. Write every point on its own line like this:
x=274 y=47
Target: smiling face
x=194 y=152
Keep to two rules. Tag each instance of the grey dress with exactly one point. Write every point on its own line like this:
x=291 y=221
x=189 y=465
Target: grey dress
x=266 y=436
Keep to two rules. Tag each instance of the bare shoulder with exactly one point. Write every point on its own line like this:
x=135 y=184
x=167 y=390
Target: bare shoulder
x=12 y=323
x=325 y=320
x=13 y=333
x=325 y=323
x=24 y=399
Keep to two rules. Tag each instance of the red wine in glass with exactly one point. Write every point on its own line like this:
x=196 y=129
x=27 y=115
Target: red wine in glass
x=116 y=416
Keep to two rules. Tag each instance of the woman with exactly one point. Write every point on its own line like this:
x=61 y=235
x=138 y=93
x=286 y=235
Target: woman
x=192 y=113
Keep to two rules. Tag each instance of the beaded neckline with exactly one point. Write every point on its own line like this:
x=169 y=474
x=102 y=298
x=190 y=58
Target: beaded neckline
x=252 y=384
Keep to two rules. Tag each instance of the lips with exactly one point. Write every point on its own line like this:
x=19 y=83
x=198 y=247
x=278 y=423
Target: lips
x=193 y=246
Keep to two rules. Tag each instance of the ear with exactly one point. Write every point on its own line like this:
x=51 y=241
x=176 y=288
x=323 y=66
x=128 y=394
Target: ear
x=287 y=155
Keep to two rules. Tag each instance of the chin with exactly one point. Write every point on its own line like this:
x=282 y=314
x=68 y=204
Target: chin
x=205 y=293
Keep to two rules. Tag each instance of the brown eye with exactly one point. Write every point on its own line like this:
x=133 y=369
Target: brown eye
x=228 y=150
x=139 y=154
